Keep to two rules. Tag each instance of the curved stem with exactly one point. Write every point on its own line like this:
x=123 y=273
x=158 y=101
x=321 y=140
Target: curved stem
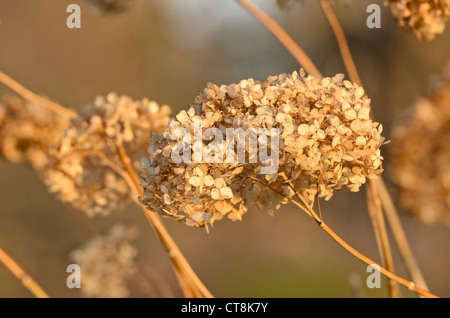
x=34 y=98
x=410 y=285
x=23 y=277
x=342 y=42
x=363 y=258
x=282 y=36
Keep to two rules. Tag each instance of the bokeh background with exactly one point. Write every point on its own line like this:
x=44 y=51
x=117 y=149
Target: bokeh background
x=167 y=50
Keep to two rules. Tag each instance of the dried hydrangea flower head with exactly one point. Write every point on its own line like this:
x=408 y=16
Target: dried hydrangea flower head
x=424 y=18
x=106 y=263
x=421 y=156
x=113 y=6
x=79 y=172
x=27 y=130
x=327 y=142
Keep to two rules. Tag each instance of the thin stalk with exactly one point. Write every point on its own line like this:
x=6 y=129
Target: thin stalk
x=410 y=285
x=34 y=98
x=377 y=219
x=385 y=245
x=342 y=42
x=177 y=258
x=282 y=36
x=400 y=236
x=375 y=226
x=23 y=277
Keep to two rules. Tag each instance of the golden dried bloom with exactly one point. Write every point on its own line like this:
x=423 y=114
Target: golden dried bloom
x=81 y=169
x=327 y=142
x=27 y=131
x=423 y=18
x=421 y=156
x=113 y=6
x=106 y=263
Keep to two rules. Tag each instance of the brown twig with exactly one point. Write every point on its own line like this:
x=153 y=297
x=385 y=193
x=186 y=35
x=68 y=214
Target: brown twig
x=385 y=245
x=342 y=42
x=360 y=256
x=177 y=258
x=410 y=285
x=377 y=218
x=34 y=98
x=23 y=277
x=283 y=37
x=400 y=236
x=375 y=226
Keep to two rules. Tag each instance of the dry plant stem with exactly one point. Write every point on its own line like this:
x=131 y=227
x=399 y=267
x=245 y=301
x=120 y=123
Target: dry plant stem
x=283 y=37
x=377 y=220
x=185 y=287
x=34 y=98
x=23 y=277
x=178 y=259
x=385 y=245
x=400 y=236
x=358 y=255
x=374 y=222
x=410 y=285
x=342 y=42
x=305 y=207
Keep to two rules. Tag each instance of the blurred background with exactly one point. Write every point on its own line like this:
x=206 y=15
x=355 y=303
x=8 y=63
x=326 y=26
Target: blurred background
x=168 y=50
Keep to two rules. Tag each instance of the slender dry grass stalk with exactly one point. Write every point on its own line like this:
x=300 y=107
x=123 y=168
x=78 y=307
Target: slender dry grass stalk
x=342 y=42
x=304 y=206
x=22 y=276
x=400 y=236
x=283 y=37
x=384 y=239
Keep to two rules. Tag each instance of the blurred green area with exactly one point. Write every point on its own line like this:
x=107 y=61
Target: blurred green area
x=167 y=50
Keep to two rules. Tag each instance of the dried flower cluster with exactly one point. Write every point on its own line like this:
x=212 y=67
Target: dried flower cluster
x=424 y=18
x=421 y=156
x=27 y=130
x=327 y=142
x=84 y=164
x=106 y=263
x=113 y=6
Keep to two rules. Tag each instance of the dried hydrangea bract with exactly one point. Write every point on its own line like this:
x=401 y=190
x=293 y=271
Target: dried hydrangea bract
x=27 y=131
x=327 y=142
x=106 y=263
x=78 y=172
x=424 y=18
x=421 y=156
